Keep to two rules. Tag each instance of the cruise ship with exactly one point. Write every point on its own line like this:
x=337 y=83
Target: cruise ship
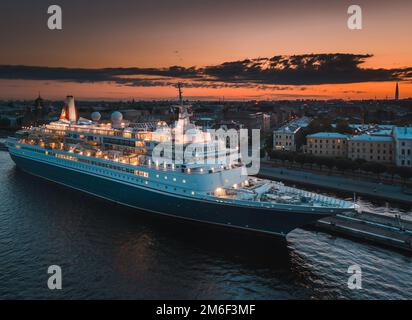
x=115 y=160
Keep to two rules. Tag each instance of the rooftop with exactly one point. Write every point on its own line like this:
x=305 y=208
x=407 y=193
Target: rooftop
x=403 y=132
x=368 y=137
x=294 y=125
x=328 y=135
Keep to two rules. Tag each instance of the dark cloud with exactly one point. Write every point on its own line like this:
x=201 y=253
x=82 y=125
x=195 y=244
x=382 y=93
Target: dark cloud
x=309 y=69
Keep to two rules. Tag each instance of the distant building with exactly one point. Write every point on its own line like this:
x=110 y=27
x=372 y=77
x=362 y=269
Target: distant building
x=8 y=121
x=327 y=144
x=290 y=136
x=371 y=148
x=133 y=114
x=397 y=91
x=205 y=122
x=403 y=146
x=266 y=122
x=373 y=129
x=230 y=132
x=251 y=120
x=212 y=111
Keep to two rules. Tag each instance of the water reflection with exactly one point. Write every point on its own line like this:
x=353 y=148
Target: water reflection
x=109 y=251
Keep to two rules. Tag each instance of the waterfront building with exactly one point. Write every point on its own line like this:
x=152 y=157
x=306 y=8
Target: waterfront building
x=403 y=146
x=377 y=148
x=327 y=144
x=290 y=136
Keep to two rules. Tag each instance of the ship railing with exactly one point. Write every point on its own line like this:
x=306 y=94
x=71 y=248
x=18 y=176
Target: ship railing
x=318 y=199
x=270 y=205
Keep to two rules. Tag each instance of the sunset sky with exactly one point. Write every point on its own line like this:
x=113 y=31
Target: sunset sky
x=258 y=49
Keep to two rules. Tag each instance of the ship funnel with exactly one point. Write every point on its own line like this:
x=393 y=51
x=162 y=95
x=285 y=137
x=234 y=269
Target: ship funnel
x=73 y=116
x=69 y=111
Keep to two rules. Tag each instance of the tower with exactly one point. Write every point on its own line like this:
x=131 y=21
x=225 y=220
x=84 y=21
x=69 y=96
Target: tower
x=397 y=91
x=39 y=106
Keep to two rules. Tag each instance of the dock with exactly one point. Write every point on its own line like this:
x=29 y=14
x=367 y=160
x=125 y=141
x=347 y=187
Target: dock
x=387 y=192
x=386 y=230
x=383 y=230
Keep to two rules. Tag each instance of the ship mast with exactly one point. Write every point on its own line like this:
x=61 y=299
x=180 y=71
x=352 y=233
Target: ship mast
x=183 y=122
x=179 y=86
x=183 y=109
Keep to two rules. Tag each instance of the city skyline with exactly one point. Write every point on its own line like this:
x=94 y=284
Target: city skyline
x=241 y=51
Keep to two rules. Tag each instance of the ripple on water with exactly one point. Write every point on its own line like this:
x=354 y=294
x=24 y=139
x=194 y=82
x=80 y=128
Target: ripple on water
x=107 y=251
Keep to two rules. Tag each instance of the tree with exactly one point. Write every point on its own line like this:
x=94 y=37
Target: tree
x=392 y=170
x=268 y=142
x=374 y=167
x=262 y=153
x=279 y=155
x=5 y=123
x=405 y=173
x=344 y=164
x=327 y=162
x=358 y=164
x=301 y=159
x=310 y=159
x=289 y=156
x=330 y=163
x=319 y=125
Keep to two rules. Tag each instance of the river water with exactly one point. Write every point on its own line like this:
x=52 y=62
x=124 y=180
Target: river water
x=111 y=252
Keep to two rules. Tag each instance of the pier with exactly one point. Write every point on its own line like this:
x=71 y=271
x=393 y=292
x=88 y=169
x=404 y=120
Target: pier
x=371 y=189
x=383 y=230
x=390 y=231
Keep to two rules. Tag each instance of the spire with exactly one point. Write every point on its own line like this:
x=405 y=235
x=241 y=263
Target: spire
x=397 y=91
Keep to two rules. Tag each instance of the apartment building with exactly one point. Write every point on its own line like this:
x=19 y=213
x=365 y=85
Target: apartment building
x=371 y=148
x=290 y=136
x=327 y=144
x=403 y=146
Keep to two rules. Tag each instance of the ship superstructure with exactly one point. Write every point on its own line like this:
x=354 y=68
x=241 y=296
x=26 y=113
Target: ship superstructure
x=162 y=169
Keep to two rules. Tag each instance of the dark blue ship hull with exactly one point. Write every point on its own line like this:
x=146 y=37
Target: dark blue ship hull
x=262 y=220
